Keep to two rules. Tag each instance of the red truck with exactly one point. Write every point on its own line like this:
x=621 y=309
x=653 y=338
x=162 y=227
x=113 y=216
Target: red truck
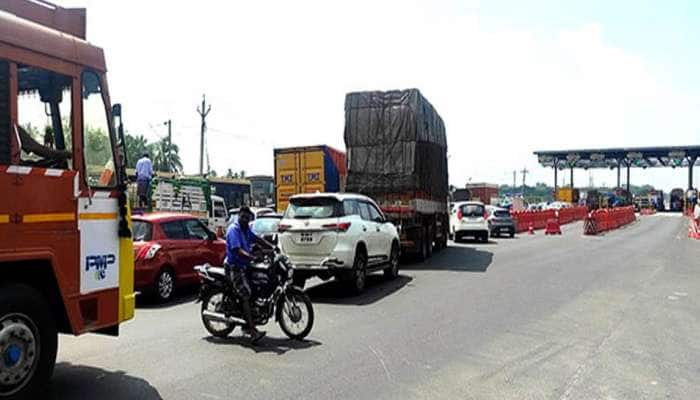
x=397 y=154
x=66 y=255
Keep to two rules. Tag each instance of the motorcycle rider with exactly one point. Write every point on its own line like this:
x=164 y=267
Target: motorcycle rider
x=240 y=238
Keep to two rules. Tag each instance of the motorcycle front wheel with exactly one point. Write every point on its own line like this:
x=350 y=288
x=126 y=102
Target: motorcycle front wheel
x=295 y=314
x=214 y=302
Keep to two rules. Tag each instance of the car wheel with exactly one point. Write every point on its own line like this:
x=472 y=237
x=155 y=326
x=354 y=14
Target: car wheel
x=164 y=285
x=392 y=272
x=359 y=272
x=512 y=234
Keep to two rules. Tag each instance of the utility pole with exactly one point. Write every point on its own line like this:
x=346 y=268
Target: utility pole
x=203 y=112
x=514 y=174
x=169 y=123
x=524 y=171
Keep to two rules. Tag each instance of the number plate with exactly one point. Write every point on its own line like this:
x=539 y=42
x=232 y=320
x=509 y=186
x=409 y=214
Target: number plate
x=306 y=237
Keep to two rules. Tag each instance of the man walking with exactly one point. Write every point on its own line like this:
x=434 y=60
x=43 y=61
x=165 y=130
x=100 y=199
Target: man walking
x=144 y=173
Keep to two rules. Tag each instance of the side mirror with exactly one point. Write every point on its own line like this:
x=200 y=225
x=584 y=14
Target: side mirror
x=211 y=236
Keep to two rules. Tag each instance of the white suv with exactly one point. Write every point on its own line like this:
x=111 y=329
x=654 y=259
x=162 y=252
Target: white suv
x=469 y=218
x=338 y=235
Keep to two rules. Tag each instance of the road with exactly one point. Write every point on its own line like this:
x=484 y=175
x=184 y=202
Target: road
x=564 y=317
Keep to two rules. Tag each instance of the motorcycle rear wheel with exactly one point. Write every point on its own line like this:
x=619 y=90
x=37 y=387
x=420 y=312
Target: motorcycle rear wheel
x=295 y=314
x=213 y=302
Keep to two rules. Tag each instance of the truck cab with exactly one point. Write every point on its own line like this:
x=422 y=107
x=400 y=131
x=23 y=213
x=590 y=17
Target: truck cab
x=66 y=258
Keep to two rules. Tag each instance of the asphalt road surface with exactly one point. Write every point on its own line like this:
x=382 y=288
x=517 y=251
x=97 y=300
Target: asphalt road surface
x=564 y=317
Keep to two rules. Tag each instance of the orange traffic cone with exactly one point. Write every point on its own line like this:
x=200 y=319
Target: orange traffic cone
x=530 y=230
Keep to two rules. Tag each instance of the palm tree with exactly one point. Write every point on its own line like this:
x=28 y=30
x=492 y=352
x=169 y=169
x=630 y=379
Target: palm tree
x=136 y=146
x=167 y=157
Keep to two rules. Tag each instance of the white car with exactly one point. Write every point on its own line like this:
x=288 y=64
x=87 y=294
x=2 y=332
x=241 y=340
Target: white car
x=338 y=235
x=469 y=218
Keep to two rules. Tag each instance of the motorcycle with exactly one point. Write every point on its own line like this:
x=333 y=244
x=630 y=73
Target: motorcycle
x=272 y=294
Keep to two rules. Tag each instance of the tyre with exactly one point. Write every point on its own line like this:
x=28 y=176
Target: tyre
x=28 y=342
x=485 y=237
x=512 y=234
x=392 y=272
x=358 y=279
x=295 y=314
x=164 y=286
x=213 y=302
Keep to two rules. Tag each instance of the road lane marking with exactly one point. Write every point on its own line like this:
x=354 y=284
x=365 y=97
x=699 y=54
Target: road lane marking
x=381 y=361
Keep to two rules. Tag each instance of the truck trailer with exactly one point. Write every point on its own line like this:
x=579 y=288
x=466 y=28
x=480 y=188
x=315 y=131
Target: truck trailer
x=397 y=154
x=307 y=170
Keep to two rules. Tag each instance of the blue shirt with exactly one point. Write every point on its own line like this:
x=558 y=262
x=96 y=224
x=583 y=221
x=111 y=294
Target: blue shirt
x=236 y=239
x=144 y=169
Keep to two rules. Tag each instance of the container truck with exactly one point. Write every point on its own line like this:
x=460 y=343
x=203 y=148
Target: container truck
x=397 y=154
x=66 y=254
x=307 y=170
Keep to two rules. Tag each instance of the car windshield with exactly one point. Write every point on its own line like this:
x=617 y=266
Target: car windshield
x=501 y=214
x=472 y=210
x=141 y=230
x=314 y=207
x=266 y=225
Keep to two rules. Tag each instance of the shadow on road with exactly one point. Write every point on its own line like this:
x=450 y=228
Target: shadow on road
x=80 y=382
x=181 y=296
x=268 y=344
x=453 y=258
x=377 y=287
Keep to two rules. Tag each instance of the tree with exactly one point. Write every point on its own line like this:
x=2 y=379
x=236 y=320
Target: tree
x=136 y=146
x=229 y=173
x=167 y=156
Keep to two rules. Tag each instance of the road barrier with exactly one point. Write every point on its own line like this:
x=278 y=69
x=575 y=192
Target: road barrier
x=538 y=219
x=693 y=228
x=647 y=211
x=527 y=218
x=607 y=219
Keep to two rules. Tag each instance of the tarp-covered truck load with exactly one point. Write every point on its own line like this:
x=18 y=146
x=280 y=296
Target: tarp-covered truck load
x=397 y=154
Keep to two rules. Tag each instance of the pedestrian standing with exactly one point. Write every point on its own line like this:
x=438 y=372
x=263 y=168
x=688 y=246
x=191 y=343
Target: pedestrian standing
x=696 y=212
x=144 y=173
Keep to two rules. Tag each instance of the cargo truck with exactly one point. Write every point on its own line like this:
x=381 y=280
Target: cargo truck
x=307 y=170
x=397 y=154
x=190 y=196
x=66 y=254
x=567 y=195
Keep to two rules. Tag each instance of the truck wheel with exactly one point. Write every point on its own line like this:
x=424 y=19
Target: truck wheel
x=28 y=342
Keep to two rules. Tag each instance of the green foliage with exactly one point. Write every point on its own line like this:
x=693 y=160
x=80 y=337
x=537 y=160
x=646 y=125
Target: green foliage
x=136 y=146
x=98 y=148
x=165 y=155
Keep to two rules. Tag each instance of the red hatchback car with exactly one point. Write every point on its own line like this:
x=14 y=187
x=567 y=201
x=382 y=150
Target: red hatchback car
x=167 y=247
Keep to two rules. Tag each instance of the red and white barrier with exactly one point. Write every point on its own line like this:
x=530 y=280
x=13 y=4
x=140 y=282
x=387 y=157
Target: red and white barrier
x=607 y=219
x=693 y=228
x=538 y=219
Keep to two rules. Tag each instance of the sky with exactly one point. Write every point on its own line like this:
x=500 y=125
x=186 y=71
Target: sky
x=508 y=77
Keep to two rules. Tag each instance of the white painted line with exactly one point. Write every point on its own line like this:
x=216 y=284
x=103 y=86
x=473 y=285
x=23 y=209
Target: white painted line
x=19 y=170
x=673 y=297
x=680 y=294
x=53 y=172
